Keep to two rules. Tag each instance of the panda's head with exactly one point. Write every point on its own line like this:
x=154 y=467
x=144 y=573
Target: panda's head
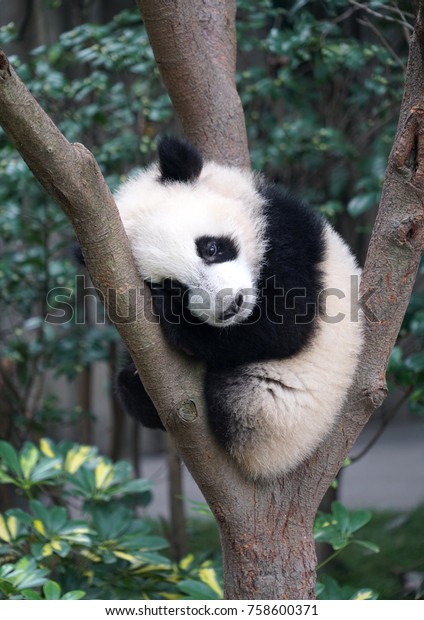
x=200 y=225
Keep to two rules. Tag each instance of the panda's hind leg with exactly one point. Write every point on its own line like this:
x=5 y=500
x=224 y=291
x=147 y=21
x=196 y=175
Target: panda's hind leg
x=134 y=398
x=239 y=422
x=264 y=424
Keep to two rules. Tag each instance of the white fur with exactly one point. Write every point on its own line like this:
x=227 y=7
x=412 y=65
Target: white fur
x=295 y=402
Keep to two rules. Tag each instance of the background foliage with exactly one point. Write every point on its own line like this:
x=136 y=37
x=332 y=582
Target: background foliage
x=104 y=553
x=321 y=85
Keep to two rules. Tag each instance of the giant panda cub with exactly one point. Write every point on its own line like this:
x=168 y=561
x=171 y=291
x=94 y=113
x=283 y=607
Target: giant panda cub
x=252 y=282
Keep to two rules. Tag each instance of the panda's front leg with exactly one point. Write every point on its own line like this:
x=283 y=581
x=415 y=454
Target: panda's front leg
x=182 y=331
x=167 y=305
x=134 y=398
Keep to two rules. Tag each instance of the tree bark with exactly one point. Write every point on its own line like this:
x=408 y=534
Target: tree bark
x=266 y=529
x=195 y=48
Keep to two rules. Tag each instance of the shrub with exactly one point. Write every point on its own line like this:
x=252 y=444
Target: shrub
x=79 y=535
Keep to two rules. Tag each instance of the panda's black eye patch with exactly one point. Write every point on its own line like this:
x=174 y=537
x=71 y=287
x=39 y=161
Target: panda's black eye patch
x=216 y=249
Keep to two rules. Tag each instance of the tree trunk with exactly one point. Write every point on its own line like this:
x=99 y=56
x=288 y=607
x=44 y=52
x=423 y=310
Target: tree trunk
x=195 y=49
x=270 y=553
x=266 y=529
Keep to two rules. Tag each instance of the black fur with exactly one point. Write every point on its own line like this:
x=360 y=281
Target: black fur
x=134 y=398
x=282 y=322
x=224 y=249
x=178 y=161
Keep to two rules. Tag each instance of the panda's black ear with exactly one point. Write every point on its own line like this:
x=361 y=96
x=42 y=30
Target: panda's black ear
x=179 y=161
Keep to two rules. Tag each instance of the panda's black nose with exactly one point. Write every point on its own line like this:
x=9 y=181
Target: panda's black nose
x=239 y=301
x=234 y=307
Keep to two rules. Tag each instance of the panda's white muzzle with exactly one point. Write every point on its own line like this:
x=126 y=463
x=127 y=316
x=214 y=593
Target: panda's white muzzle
x=215 y=300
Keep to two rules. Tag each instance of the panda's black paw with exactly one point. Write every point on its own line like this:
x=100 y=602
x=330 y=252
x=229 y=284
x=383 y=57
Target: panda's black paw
x=134 y=398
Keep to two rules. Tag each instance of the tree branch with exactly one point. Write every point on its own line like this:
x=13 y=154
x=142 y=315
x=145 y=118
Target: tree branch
x=391 y=266
x=71 y=176
x=195 y=49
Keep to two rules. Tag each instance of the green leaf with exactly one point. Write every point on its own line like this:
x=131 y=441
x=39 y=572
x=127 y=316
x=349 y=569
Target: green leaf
x=7 y=588
x=40 y=511
x=52 y=590
x=367 y=545
x=31 y=595
x=338 y=528
x=111 y=525
x=84 y=482
x=364 y=595
x=329 y=589
x=10 y=458
x=341 y=514
x=197 y=591
x=73 y=595
x=359 y=518
x=24 y=574
x=28 y=458
x=5 y=479
x=155 y=561
x=336 y=540
x=135 y=486
x=46 y=470
x=143 y=543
